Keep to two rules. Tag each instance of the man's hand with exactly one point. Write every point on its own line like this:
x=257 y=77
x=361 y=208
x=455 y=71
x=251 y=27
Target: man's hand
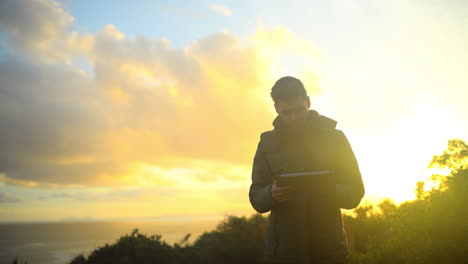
x=282 y=193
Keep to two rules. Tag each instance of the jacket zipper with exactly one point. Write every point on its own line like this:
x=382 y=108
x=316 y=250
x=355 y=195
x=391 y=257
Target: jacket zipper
x=275 y=234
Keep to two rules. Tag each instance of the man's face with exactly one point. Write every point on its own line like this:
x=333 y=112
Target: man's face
x=294 y=111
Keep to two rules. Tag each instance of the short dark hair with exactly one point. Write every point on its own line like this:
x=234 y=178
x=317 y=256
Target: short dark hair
x=286 y=88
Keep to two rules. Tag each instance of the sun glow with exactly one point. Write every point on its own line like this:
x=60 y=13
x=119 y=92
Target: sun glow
x=405 y=150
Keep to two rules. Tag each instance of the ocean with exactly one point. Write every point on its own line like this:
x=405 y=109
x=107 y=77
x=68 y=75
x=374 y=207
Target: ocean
x=60 y=242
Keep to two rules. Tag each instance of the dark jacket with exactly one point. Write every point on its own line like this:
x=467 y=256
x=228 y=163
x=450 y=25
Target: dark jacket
x=307 y=228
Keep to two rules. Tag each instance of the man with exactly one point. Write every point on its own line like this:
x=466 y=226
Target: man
x=305 y=223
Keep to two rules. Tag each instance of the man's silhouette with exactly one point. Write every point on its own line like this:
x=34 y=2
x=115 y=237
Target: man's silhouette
x=305 y=223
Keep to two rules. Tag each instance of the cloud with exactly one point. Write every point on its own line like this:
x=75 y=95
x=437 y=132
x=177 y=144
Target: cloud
x=145 y=105
x=37 y=27
x=8 y=198
x=50 y=123
x=220 y=9
x=111 y=194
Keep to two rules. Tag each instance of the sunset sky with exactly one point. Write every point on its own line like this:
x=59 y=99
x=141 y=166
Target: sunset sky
x=153 y=109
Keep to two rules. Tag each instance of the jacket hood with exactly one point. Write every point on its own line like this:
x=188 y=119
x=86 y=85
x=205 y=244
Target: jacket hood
x=314 y=121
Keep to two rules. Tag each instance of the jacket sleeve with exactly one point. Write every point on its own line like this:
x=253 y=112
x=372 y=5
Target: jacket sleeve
x=349 y=188
x=260 y=189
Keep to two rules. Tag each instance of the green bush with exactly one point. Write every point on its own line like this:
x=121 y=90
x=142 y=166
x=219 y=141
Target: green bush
x=430 y=229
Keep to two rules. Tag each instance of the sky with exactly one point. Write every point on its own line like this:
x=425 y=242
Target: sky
x=153 y=109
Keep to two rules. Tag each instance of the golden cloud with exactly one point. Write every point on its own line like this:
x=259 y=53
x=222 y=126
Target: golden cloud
x=146 y=105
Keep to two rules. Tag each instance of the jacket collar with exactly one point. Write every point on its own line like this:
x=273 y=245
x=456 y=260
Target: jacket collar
x=314 y=121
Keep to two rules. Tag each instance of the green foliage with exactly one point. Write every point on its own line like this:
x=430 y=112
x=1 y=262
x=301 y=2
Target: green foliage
x=133 y=248
x=430 y=229
x=235 y=240
x=15 y=261
x=454 y=157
